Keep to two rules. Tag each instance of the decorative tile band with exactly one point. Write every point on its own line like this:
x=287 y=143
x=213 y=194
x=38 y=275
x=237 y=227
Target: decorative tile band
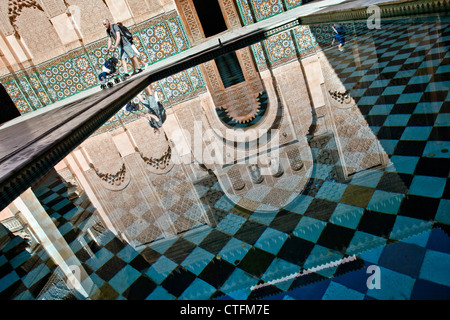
x=78 y=70
x=171 y=88
x=284 y=45
x=263 y=9
x=63 y=77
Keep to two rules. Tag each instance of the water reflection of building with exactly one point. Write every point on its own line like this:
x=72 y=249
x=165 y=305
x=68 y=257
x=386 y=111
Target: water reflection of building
x=129 y=174
x=140 y=190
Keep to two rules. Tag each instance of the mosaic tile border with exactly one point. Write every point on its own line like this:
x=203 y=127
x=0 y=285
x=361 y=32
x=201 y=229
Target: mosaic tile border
x=284 y=45
x=78 y=70
x=264 y=9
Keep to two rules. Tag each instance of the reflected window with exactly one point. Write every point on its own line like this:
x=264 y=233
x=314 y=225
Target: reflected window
x=229 y=69
x=210 y=16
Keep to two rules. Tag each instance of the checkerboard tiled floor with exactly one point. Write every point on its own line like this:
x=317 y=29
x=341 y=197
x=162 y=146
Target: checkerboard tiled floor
x=396 y=218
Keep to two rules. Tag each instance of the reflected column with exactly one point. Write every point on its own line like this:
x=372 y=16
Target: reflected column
x=55 y=245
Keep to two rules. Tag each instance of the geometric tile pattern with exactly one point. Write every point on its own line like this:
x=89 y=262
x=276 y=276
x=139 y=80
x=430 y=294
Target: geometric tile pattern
x=168 y=89
x=66 y=78
x=395 y=218
x=164 y=39
x=284 y=45
x=264 y=9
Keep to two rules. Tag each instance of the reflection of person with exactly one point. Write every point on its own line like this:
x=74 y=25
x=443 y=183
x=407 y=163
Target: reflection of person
x=154 y=111
x=125 y=49
x=339 y=35
x=154 y=107
x=152 y=118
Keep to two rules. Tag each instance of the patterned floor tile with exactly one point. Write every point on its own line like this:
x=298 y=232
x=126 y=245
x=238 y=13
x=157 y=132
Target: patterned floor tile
x=395 y=218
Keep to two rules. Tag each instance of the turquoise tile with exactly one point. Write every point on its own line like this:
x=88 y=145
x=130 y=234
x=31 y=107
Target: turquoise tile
x=437 y=49
x=379 y=83
x=443 y=212
x=442 y=120
x=224 y=203
x=381 y=109
x=393 y=286
x=368 y=77
x=198 y=290
x=380 y=65
x=239 y=284
x=3 y=260
x=432 y=187
x=435 y=267
x=195 y=235
x=234 y=250
x=429 y=63
x=366 y=245
x=405 y=227
x=437 y=149
x=66 y=227
x=428 y=107
x=105 y=237
x=160 y=294
x=99 y=259
x=337 y=291
x=319 y=257
x=393 y=90
x=388 y=145
x=35 y=275
x=309 y=229
x=405 y=74
x=161 y=269
x=438 y=86
x=128 y=253
x=321 y=171
x=50 y=198
x=397 y=120
x=389 y=53
x=271 y=240
x=403 y=164
x=392 y=68
x=421 y=239
x=124 y=278
x=72 y=213
x=25 y=295
x=425 y=78
x=357 y=92
x=8 y=280
x=401 y=56
x=386 y=202
x=443 y=69
x=96 y=280
x=346 y=215
x=413 y=59
x=231 y=223
x=263 y=217
x=368 y=100
x=331 y=191
x=367 y=178
x=416 y=133
x=197 y=260
x=61 y=204
x=281 y=273
x=20 y=259
x=410 y=97
x=300 y=204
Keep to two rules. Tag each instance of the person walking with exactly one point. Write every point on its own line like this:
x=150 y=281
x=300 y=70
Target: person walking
x=339 y=35
x=124 y=45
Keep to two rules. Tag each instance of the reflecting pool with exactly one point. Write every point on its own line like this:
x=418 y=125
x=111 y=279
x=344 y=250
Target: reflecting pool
x=290 y=174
